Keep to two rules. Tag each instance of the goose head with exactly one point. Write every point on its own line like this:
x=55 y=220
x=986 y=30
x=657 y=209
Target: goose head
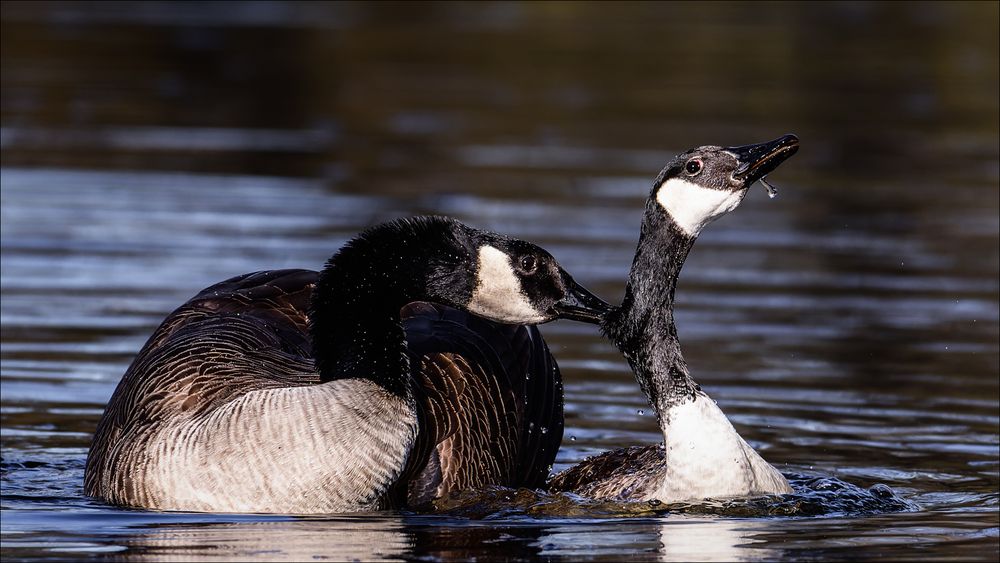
x=355 y=320
x=695 y=188
x=442 y=260
x=707 y=182
x=512 y=281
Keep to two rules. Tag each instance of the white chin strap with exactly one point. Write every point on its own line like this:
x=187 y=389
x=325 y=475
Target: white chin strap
x=498 y=294
x=692 y=206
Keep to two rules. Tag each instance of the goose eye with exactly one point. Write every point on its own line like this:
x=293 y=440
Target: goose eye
x=693 y=166
x=528 y=264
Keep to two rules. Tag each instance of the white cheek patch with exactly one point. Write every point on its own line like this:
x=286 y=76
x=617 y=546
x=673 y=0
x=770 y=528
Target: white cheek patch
x=692 y=206
x=498 y=294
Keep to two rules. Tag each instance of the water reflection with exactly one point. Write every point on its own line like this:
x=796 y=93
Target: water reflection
x=673 y=539
x=713 y=540
x=358 y=539
x=388 y=538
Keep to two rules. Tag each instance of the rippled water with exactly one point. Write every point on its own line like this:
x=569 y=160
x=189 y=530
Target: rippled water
x=848 y=327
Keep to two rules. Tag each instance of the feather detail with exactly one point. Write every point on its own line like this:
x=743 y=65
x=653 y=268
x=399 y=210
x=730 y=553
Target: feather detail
x=223 y=409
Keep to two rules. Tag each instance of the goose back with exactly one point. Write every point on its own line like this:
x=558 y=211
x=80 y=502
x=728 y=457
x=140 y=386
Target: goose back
x=222 y=411
x=243 y=334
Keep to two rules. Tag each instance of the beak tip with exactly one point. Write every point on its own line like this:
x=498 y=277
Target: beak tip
x=758 y=160
x=582 y=305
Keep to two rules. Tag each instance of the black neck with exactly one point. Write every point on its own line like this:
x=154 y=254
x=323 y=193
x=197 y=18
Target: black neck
x=643 y=326
x=355 y=317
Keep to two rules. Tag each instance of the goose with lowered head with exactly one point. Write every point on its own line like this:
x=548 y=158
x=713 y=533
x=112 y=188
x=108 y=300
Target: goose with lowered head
x=368 y=385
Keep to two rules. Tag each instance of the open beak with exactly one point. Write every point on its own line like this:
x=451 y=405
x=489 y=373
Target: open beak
x=580 y=304
x=757 y=161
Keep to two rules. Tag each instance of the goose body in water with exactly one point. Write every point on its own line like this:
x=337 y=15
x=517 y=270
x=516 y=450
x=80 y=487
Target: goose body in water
x=702 y=455
x=371 y=384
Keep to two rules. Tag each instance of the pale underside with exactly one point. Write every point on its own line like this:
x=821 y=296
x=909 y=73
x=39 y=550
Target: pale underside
x=332 y=447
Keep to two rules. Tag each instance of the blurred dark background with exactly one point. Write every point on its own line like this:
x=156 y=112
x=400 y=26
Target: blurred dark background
x=390 y=93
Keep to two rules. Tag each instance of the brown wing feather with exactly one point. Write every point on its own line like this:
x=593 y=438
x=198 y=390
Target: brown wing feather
x=543 y=394
x=492 y=397
x=613 y=474
x=242 y=334
x=487 y=389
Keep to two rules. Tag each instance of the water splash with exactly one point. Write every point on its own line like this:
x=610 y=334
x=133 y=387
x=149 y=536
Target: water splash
x=813 y=496
x=771 y=190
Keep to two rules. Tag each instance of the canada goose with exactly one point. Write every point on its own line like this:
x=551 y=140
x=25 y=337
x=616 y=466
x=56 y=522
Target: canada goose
x=702 y=455
x=296 y=392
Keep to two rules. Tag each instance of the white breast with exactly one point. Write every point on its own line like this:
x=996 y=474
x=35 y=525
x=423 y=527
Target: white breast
x=707 y=458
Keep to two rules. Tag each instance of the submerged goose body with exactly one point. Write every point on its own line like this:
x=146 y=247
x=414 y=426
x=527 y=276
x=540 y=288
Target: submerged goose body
x=702 y=455
x=360 y=387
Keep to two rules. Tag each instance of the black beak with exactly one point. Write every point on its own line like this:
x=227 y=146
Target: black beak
x=757 y=161
x=580 y=304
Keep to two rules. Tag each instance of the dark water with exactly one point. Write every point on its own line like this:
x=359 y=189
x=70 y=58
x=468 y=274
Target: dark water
x=849 y=327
